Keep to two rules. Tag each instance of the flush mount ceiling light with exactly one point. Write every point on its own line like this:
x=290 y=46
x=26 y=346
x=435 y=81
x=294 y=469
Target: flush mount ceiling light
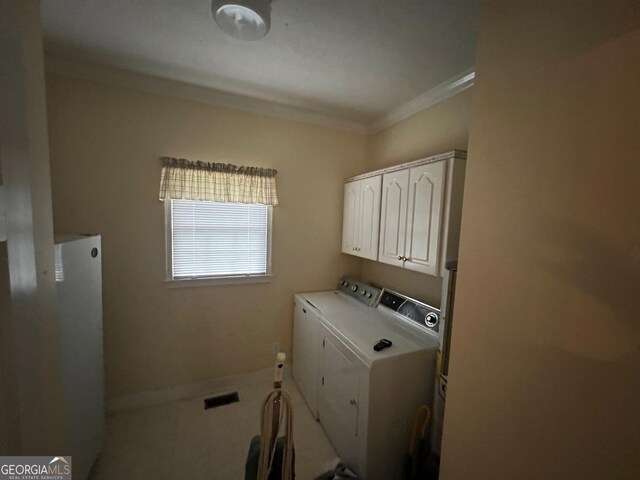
x=243 y=19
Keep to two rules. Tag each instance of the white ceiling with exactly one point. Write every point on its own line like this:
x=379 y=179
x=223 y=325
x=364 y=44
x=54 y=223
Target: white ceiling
x=355 y=60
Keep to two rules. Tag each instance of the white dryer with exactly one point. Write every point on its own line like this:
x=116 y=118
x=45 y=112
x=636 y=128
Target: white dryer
x=364 y=398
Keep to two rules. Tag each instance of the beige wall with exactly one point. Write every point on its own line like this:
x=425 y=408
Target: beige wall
x=443 y=127
x=105 y=144
x=30 y=379
x=545 y=368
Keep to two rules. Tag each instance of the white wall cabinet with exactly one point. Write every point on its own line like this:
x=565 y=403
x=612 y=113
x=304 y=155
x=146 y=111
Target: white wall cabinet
x=393 y=222
x=424 y=217
x=420 y=213
x=361 y=217
x=411 y=217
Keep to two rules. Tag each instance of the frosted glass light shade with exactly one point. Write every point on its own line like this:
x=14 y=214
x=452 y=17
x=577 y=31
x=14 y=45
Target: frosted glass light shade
x=243 y=19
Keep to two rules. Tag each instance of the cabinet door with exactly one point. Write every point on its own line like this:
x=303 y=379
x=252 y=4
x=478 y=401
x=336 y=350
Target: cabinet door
x=424 y=216
x=350 y=224
x=393 y=219
x=369 y=221
x=306 y=350
x=338 y=398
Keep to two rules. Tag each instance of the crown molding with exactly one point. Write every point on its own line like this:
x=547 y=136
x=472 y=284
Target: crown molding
x=459 y=154
x=150 y=83
x=429 y=98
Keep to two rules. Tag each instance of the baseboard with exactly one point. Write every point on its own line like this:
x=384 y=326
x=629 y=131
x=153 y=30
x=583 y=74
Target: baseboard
x=180 y=392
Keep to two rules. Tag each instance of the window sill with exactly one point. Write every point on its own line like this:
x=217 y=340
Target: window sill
x=208 y=282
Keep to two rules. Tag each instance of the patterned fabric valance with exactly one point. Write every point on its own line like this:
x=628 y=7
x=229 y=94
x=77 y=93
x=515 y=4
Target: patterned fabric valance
x=217 y=182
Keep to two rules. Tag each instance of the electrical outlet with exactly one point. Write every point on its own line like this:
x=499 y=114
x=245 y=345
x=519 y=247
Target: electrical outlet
x=276 y=347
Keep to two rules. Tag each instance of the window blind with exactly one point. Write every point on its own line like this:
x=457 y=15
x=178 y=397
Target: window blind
x=218 y=239
x=58 y=263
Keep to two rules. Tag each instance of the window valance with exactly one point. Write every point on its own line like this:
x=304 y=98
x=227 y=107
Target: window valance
x=217 y=182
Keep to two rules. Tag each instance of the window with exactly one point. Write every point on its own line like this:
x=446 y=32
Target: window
x=218 y=221
x=212 y=240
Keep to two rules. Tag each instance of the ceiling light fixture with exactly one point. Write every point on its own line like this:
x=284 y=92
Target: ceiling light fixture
x=243 y=19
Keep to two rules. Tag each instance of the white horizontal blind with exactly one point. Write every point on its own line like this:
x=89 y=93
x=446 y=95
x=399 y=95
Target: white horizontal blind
x=58 y=263
x=218 y=239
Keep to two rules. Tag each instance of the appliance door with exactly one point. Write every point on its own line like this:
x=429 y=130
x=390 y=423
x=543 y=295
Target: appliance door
x=338 y=399
x=306 y=351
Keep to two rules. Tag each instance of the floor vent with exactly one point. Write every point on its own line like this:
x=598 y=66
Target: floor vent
x=226 y=399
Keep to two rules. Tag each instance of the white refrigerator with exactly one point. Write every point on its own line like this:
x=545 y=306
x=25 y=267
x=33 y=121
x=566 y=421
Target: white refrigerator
x=79 y=300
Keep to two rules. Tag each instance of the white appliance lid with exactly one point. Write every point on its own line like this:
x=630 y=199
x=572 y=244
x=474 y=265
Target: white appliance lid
x=332 y=301
x=363 y=328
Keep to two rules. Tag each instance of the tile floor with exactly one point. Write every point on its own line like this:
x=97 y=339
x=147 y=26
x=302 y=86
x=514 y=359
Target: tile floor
x=181 y=440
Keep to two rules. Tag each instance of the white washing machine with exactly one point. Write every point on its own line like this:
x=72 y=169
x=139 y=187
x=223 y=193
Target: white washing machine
x=365 y=398
x=309 y=308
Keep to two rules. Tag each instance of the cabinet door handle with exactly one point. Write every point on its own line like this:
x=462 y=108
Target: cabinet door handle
x=353 y=402
x=400 y=257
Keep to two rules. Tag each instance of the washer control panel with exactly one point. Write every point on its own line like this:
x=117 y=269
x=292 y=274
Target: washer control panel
x=412 y=310
x=361 y=291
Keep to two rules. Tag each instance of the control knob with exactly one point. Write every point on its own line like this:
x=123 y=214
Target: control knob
x=354 y=288
x=431 y=319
